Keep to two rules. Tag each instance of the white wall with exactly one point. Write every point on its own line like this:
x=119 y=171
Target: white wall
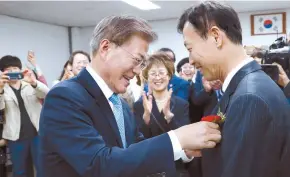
x=49 y=42
x=260 y=39
x=169 y=37
x=81 y=38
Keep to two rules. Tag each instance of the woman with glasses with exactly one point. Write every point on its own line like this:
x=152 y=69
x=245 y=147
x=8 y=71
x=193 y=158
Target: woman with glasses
x=160 y=111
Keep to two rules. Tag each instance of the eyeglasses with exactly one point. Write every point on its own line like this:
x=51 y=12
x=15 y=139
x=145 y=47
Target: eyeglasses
x=138 y=62
x=161 y=74
x=187 y=68
x=85 y=62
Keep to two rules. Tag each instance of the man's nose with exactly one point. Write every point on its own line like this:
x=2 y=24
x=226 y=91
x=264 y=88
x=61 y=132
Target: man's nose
x=137 y=70
x=191 y=61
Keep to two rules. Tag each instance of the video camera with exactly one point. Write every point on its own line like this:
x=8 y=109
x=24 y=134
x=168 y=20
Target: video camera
x=279 y=52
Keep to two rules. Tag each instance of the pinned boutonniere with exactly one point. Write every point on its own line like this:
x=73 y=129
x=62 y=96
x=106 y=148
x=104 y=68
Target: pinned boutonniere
x=219 y=118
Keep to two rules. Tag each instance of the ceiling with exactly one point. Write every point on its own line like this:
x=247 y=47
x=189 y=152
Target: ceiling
x=88 y=13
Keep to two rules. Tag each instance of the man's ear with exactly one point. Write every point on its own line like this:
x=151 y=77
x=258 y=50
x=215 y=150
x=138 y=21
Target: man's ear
x=104 y=48
x=216 y=33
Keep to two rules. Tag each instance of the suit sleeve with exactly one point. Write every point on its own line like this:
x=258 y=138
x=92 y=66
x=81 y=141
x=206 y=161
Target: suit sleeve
x=248 y=136
x=41 y=90
x=70 y=131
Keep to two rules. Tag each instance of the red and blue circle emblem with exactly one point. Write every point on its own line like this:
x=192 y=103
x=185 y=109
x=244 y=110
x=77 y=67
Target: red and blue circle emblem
x=268 y=24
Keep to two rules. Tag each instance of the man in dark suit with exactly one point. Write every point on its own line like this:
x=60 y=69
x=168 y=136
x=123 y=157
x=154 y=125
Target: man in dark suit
x=85 y=128
x=256 y=131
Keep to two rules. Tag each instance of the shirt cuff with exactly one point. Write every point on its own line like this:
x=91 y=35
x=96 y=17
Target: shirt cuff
x=177 y=149
x=184 y=157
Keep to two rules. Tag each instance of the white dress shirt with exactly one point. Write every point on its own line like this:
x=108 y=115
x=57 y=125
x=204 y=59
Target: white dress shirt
x=234 y=72
x=177 y=149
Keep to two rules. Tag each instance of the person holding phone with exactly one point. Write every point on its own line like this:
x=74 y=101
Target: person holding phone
x=20 y=92
x=35 y=67
x=284 y=81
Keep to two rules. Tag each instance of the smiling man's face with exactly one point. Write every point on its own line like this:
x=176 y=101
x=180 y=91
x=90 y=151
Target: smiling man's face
x=203 y=53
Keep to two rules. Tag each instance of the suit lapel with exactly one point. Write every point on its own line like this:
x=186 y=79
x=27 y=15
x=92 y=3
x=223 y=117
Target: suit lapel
x=94 y=90
x=245 y=70
x=159 y=116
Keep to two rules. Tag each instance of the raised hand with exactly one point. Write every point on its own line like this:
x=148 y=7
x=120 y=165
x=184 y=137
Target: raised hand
x=206 y=85
x=166 y=109
x=216 y=84
x=147 y=105
x=283 y=78
x=29 y=77
x=68 y=74
x=3 y=80
x=31 y=58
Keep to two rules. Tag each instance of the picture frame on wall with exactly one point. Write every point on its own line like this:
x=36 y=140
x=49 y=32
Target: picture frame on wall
x=270 y=23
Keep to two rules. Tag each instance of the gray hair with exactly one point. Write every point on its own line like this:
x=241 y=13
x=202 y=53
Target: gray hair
x=119 y=29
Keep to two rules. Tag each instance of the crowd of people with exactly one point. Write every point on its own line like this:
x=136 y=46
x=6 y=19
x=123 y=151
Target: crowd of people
x=21 y=102
x=70 y=130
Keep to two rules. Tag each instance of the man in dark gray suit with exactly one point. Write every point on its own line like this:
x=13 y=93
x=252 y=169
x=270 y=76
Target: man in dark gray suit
x=256 y=131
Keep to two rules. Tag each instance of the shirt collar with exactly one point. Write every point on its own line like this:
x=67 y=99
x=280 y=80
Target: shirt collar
x=233 y=72
x=101 y=83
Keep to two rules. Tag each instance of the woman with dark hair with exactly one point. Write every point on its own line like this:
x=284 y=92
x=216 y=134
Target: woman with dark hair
x=66 y=73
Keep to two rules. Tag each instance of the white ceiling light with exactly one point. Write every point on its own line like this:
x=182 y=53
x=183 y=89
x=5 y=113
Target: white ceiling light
x=142 y=4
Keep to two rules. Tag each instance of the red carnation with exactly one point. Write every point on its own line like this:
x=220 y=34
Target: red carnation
x=212 y=118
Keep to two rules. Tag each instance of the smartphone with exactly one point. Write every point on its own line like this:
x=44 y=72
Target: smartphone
x=15 y=75
x=272 y=71
x=30 y=52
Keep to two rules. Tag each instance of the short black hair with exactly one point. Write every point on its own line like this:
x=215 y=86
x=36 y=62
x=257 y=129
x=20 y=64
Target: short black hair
x=181 y=63
x=209 y=13
x=10 y=61
x=168 y=50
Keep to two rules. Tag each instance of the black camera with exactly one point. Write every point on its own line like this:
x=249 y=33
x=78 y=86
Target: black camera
x=279 y=52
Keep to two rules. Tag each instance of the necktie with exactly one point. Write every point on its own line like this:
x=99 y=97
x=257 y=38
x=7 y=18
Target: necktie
x=219 y=94
x=118 y=113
